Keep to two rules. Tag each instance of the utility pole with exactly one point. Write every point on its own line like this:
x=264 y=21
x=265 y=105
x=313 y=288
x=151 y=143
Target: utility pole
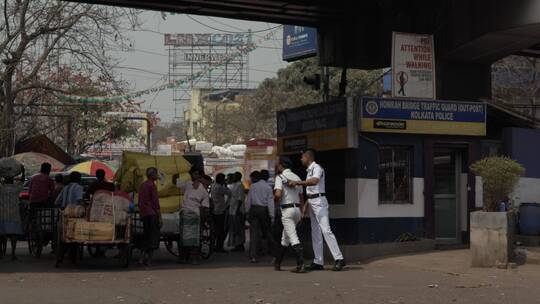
x=224 y=100
x=69 y=136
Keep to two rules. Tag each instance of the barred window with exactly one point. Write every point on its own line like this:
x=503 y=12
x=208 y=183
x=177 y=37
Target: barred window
x=395 y=183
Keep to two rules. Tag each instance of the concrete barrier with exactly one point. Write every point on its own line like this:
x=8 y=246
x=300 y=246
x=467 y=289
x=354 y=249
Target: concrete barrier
x=492 y=235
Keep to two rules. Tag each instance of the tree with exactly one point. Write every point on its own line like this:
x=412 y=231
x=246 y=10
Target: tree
x=37 y=37
x=77 y=126
x=256 y=115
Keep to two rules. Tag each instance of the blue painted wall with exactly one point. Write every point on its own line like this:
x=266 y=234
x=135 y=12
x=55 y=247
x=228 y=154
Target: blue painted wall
x=369 y=144
x=523 y=145
x=354 y=231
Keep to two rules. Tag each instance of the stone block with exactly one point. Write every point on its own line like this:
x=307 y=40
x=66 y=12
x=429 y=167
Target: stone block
x=492 y=238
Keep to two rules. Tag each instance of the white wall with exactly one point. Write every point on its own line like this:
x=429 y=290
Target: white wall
x=478 y=193
x=527 y=191
x=362 y=201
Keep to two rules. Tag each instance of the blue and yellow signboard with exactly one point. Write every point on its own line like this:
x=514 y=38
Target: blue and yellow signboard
x=320 y=126
x=394 y=115
x=299 y=42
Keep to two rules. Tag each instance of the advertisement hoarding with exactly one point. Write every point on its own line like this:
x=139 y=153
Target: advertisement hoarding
x=299 y=42
x=216 y=39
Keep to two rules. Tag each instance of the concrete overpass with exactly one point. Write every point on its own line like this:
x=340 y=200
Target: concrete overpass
x=469 y=34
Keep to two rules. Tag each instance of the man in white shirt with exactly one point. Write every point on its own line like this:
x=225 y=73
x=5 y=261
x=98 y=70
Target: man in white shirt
x=236 y=219
x=259 y=207
x=320 y=223
x=195 y=200
x=221 y=195
x=289 y=200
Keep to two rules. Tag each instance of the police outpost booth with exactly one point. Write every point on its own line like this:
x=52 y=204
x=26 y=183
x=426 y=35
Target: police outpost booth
x=397 y=168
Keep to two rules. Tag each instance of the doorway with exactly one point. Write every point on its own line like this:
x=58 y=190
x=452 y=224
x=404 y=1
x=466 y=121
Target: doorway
x=447 y=167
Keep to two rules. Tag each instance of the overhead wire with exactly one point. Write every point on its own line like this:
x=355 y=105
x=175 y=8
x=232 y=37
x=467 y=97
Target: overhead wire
x=225 y=24
x=226 y=31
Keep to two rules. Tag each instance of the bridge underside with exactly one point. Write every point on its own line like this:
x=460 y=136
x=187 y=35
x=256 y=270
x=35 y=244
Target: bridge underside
x=469 y=34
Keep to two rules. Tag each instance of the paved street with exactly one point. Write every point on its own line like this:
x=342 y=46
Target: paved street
x=437 y=277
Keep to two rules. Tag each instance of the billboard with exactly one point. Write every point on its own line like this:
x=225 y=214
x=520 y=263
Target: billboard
x=299 y=42
x=320 y=126
x=413 y=66
x=393 y=115
x=216 y=39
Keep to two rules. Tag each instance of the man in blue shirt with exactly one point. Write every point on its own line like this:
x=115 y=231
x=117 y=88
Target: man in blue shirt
x=72 y=194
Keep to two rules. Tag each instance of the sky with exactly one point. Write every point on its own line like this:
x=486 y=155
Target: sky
x=146 y=64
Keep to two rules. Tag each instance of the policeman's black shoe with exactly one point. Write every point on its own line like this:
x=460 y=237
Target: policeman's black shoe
x=340 y=264
x=280 y=254
x=315 y=267
x=299 y=269
x=299 y=252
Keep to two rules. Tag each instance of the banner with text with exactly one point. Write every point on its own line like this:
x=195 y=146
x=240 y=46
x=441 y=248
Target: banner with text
x=299 y=42
x=423 y=116
x=413 y=66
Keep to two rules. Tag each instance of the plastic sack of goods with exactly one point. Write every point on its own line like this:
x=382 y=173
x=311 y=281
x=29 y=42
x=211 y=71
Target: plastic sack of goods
x=107 y=211
x=75 y=211
x=109 y=207
x=9 y=167
x=132 y=173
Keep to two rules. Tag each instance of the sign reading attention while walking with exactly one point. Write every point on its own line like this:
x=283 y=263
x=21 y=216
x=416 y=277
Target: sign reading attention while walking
x=393 y=115
x=413 y=66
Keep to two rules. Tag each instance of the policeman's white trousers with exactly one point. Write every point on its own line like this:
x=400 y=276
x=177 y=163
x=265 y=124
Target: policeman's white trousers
x=320 y=227
x=290 y=217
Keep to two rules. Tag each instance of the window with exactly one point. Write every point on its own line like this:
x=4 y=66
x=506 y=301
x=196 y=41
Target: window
x=395 y=175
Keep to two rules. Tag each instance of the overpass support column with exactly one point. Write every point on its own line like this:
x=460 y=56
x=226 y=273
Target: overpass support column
x=463 y=81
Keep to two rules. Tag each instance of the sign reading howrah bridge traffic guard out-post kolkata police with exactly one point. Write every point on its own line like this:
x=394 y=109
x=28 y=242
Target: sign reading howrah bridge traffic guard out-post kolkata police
x=396 y=115
x=413 y=66
x=321 y=126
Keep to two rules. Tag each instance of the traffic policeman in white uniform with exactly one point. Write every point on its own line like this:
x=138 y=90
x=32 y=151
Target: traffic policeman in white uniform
x=288 y=199
x=320 y=223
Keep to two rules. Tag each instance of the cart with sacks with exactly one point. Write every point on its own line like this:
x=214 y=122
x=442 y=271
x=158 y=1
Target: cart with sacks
x=103 y=224
x=171 y=234
x=131 y=175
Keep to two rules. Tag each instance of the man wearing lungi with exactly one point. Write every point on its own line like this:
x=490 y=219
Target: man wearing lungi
x=195 y=202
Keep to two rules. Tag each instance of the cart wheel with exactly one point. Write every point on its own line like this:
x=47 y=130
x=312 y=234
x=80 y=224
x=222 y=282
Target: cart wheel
x=126 y=251
x=35 y=243
x=59 y=253
x=206 y=242
x=169 y=245
x=3 y=246
x=96 y=251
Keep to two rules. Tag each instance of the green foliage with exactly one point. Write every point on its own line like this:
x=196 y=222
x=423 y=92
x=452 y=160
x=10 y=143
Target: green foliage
x=285 y=91
x=500 y=175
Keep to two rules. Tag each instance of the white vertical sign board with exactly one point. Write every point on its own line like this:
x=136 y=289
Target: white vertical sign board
x=413 y=66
